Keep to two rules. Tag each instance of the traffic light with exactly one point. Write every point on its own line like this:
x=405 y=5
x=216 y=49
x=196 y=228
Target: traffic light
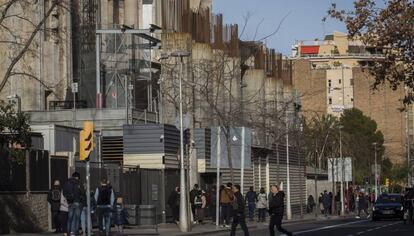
x=387 y=182
x=86 y=141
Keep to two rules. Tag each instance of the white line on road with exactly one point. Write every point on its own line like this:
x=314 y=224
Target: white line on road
x=368 y=230
x=330 y=227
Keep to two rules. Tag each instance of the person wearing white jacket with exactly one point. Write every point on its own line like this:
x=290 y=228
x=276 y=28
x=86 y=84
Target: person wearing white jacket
x=63 y=214
x=262 y=205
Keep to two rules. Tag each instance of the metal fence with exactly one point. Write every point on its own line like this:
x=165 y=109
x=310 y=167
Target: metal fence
x=13 y=174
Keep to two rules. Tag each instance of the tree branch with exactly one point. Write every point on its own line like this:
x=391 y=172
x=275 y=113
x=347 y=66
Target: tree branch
x=26 y=47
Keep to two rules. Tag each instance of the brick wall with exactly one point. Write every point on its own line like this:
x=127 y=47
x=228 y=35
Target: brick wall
x=21 y=213
x=312 y=87
x=382 y=105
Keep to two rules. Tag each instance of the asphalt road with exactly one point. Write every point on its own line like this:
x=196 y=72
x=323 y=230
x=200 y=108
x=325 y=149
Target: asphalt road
x=345 y=227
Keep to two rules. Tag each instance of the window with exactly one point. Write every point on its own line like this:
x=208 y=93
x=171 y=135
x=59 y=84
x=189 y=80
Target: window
x=330 y=101
x=352 y=82
x=329 y=83
x=352 y=99
x=340 y=81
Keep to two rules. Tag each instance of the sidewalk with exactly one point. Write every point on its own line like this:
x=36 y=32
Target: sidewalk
x=210 y=229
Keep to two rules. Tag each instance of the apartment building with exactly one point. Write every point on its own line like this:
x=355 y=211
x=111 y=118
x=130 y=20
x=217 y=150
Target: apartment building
x=330 y=76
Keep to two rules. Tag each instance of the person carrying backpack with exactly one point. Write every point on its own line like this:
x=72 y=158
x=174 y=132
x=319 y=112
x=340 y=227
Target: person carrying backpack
x=53 y=198
x=74 y=194
x=104 y=197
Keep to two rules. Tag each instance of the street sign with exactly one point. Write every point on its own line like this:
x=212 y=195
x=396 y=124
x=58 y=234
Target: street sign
x=74 y=87
x=186 y=122
x=378 y=169
x=336 y=164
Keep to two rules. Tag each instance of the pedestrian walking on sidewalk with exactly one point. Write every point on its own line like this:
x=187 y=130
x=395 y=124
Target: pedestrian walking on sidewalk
x=276 y=209
x=63 y=214
x=311 y=204
x=84 y=221
x=200 y=203
x=53 y=197
x=212 y=204
x=193 y=194
x=174 y=203
x=120 y=215
x=262 y=205
x=362 y=205
x=238 y=212
x=251 y=199
x=105 y=198
x=326 y=201
x=75 y=195
x=226 y=199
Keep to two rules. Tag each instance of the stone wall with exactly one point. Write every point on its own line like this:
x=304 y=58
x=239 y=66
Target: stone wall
x=21 y=213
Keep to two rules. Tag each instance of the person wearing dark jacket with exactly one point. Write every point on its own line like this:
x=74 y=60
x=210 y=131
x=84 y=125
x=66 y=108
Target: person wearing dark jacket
x=74 y=194
x=53 y=198
x=105 y=198
x=251 y=199
x=238 y=212
x=276 y=209
x=174 y=203
x=193 y=194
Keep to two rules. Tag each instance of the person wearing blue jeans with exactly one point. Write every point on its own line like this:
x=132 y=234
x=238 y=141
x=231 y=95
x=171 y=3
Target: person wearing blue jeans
x=74 y=215
x=251 y=198
x=75 y=195
x=105 y=197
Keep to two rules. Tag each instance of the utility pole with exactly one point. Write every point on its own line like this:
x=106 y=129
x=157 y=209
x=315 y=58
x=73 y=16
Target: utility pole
x=242 y=160
x=342 y=171
x=407 y=143
x=218 y=176
x=288 y=205
x=184 y=222
x=376 y=171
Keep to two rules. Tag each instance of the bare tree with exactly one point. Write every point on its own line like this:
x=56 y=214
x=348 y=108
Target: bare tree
x=21 y=42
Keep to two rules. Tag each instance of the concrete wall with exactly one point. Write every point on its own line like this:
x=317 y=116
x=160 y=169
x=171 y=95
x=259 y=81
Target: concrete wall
x=340 y=90
x=23 y=213
x=48 y=61
x=322 y=185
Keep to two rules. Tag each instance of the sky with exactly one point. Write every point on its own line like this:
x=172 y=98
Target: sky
x=303 y=21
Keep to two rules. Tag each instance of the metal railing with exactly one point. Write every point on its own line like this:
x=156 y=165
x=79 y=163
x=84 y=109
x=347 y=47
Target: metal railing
x=59 y=105
x=332 y=55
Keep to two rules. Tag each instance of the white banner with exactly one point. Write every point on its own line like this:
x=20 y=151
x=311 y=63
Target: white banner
x=337 y=164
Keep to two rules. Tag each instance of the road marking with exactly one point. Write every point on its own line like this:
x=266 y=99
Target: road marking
x=384 y=226
x=330 y=227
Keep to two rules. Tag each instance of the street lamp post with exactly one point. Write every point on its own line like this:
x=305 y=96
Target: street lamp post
x=342 y=171
x=288 y=203
x=184 y=226
x=375 y=170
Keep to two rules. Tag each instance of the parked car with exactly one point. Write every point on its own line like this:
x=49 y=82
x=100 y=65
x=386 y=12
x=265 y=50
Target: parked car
x=388 y=206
